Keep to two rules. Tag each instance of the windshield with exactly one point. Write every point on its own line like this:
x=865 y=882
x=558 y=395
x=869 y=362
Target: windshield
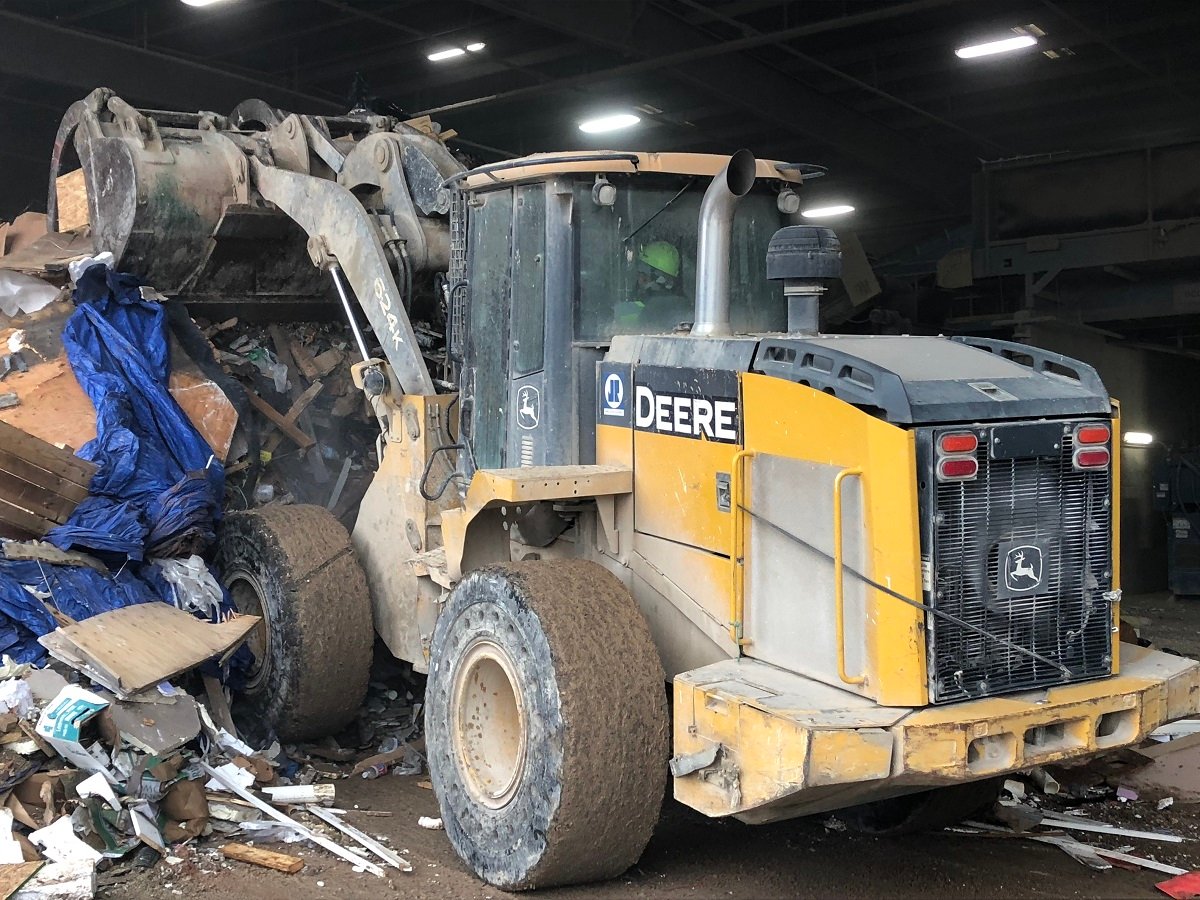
x=637 y=259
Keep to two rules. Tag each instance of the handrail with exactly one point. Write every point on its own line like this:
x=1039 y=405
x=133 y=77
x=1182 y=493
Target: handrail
x=838 y=579
x=737 y=563
x=550 y=159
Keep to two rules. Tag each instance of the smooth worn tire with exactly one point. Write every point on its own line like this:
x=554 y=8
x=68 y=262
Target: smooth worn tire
x=295 y=566
x=922 y=811
x=578 y=790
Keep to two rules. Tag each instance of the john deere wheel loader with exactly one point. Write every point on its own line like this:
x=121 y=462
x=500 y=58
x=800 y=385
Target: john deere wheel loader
x=877 y=572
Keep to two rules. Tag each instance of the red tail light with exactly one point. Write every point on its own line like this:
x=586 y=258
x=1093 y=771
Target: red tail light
x=957 y=468
x=1092 y=458
x=1092 y=434
x=958 y=443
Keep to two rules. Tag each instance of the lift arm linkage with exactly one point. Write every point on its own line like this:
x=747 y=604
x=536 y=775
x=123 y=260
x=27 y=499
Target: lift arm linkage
x=331 y=214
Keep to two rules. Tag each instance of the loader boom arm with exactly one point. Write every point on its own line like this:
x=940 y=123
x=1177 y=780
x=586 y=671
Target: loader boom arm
x=199 y=204
x=340 y=230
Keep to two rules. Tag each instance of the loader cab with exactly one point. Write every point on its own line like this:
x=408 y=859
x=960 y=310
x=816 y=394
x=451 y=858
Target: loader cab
x=561 y=254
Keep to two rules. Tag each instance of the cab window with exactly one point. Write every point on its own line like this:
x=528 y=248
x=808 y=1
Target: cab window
x=637 y=259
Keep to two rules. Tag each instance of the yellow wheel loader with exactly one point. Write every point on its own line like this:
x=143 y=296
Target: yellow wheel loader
x=876 y=572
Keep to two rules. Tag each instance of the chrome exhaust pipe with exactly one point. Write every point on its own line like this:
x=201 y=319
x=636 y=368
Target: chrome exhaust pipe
x=712 y=248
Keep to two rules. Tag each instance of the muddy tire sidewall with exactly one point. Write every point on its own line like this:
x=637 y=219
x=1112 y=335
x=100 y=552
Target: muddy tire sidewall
x=300 y=567
x=594 y=772
x=517 y=830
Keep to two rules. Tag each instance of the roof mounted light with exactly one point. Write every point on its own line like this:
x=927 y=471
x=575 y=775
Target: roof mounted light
x=475 y=47
x=609 y=123
x=821 y=212
x=202 y=2
x=990 y=48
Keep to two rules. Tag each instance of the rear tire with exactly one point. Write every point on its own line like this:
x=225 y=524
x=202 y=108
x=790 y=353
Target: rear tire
x=922 y=811
x=295 y=567
x=546 y=724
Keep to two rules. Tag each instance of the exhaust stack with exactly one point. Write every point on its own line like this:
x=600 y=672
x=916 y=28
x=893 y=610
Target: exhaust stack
x=712 y=250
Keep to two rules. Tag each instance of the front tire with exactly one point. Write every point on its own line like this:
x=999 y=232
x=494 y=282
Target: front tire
x=295 y=567
x=546 y=724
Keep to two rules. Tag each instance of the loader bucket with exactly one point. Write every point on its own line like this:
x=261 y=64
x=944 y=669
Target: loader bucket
x=168 y=194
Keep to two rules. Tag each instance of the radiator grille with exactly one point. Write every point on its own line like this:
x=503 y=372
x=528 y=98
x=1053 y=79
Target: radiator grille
x=1055 y=512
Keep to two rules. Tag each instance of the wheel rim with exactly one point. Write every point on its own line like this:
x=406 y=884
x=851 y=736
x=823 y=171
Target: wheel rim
x=247 y=594
x=488 y=724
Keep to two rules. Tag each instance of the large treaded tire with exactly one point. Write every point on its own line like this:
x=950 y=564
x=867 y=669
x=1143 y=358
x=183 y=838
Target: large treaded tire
x=587 y=791
x=295 y=566
x=923 y=811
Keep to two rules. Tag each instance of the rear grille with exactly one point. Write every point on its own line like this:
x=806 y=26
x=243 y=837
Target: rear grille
x=988 y=536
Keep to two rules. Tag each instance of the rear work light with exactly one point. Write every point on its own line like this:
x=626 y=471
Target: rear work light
x=957 y=468
x=958 y=443
x=1091 y=458
x=956 y=456
x=1092 y=434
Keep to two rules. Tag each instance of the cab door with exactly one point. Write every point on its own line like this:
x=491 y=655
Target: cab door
x=503 y=377
x=530 y=420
